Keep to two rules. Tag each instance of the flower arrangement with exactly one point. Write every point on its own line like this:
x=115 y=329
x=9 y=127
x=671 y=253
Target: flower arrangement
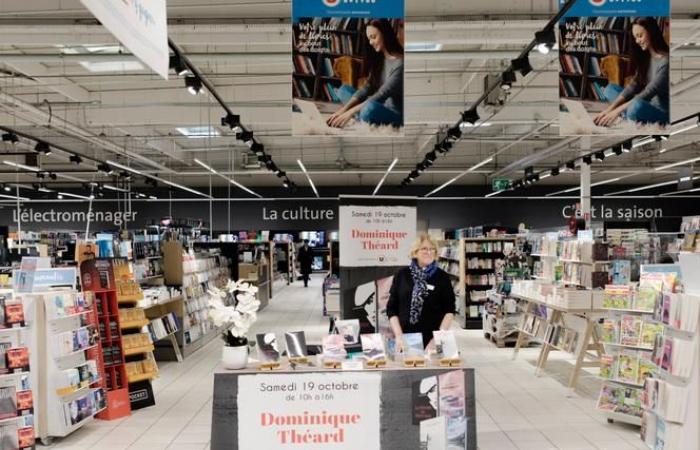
x=235 y=307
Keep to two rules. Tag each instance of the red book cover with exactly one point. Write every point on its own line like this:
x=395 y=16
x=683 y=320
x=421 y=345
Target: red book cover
x=18 y=358
x=25 y=437
x=25 y=401
x=14 y=315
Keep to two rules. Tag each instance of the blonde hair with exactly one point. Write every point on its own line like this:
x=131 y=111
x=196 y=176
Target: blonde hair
x=423 y=237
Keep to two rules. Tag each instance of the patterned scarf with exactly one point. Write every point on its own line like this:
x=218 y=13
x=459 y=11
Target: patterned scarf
x=420 y=288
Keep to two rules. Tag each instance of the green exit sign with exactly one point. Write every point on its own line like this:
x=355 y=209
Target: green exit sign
x=500 y=184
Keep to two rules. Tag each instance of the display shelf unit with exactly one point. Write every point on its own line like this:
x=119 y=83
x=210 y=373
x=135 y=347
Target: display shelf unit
x=481 y=269
x=193 y=273
x=548 y=317
x=18 y=382
x=284 y=259
x=97 y=278
x=679 y=314
x=255 y=266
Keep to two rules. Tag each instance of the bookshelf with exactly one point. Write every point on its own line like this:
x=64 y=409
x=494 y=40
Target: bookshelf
x=255 y=266
x=17 y=382
x=193 y=272
x=284 y=258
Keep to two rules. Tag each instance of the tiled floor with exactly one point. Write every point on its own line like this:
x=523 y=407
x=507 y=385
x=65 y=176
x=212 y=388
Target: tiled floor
x=515 y=409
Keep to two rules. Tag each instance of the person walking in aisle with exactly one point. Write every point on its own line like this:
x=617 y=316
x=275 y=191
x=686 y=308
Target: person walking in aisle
x=305 y=258
x=421 y=299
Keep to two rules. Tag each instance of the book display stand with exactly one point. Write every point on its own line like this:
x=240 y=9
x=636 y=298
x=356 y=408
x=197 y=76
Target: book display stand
x=672 y=397
x=560 y=328
x=16 y=379
x=98 y=278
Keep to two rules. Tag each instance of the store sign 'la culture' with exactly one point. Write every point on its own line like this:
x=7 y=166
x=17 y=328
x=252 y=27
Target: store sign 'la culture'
x=300 y=213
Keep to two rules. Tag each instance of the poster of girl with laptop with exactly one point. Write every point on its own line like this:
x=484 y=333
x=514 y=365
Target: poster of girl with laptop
x=348 y=68
x=615 y=69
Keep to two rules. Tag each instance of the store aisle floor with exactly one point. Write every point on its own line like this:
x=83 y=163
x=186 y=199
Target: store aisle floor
x=515 y=409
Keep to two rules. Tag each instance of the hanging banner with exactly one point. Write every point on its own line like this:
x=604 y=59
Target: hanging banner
x=348 y=62
x=141 y=26
x=310 y=411
x=615 y=64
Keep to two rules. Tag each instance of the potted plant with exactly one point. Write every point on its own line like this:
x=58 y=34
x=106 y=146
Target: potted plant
x=234 y=308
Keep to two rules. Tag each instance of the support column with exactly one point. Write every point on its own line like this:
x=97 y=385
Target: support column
x=586 y=183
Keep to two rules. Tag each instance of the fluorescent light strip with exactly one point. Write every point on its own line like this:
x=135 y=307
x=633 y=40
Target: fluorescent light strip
x=681 y=163
x=303 y=169
x=684 y=129
x=599 y=183
x=66 y=194
x=546 y=175
x=381 y=182
x=643 y=188
x=13 y=197
x=72 y=178
x=114 y=188
x=697 y=189
x=643 y=142
x=473 y=168
x=233 y=182
x=492 y=194
x=21 y=166
x=170 y=183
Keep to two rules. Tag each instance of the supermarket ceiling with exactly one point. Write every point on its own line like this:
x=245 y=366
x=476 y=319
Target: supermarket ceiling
x=65 y=79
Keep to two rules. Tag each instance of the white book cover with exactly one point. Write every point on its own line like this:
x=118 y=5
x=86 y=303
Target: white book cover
x=433 y=434
x=446 y=344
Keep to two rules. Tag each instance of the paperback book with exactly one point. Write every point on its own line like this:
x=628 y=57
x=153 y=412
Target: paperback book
x=296 y=344
x=268 y=351
x=630 y=330
x=433 y=434
x=349 y=330
x=413 y=346
x=446 y=344
x=333 y=347
x=373 y=347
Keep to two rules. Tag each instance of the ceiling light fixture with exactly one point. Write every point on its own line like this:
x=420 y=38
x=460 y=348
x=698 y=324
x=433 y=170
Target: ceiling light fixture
x=587 y=159
x=246 y=137
x=545 y=40
x=193 y=84
x=170 y=183
x=680 y=163
x=21 y=166
x=453 y=134
x=10 y=137
x=386 y=174
x=82 y=197
x=233 y=121
x=303 y=169
x=522 y=65
x=42 y=147
x=177 y=64
x=75 y=159
x=600 y=156
x=470 y=116
x=507 y=79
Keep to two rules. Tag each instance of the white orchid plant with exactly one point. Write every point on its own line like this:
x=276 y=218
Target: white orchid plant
x=234 y=307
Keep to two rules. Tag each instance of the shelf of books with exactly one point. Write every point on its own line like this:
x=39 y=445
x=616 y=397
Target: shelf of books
x=148 y=261
x=450 y=260
x=481 y=271
x=283 y=260
x=193 y=273
x=16 y=384
x=255 y=266
x=670 y=400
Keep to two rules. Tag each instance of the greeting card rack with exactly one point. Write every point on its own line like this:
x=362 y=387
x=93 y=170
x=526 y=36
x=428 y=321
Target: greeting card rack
x=16 y=395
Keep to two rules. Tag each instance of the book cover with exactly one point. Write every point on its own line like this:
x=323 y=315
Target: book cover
x=646 y=370
x=610 y=332
x=607 y=401
x=667 y=356
x=268 y=351
x=18 y=359
x=433 y=434
x=666 y=309
x=649 y=333
x=333 y=347
x=349 y=330
x=628 y=367
x=373 y=346
x=296 y=344
x=646 y=299
x=630 y=402
x=446 y=344
x=25 y=402
x=630 y=330
x=14 y=315
x=425 y=399
x=8 y=402
x=452 y=406
x=607 y=366
x=413 y=346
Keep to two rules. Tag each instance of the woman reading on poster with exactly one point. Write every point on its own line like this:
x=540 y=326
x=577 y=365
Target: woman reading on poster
x=422 y=299
x=380 y=101
x=646 y=98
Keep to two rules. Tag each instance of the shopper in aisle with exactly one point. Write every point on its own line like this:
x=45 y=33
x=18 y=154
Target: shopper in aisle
x=646 y=98
x=380 y=101
x=422 y=299
x=305 y=258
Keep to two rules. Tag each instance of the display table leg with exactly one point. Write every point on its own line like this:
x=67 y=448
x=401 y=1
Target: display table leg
x=521 y=334
x=590 y=324
x=176 y=348
x=546 y=348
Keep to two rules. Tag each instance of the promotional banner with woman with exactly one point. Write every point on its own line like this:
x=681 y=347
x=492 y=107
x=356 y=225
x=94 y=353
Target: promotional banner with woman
x=614 y=77
x=348 y=68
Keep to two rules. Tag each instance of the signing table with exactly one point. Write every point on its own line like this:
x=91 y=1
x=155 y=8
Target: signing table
x=309 y=407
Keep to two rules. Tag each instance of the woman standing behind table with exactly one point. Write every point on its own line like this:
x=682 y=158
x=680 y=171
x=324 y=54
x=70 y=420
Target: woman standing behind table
x=380 y=101
x=422 y=299
x=646 y=99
